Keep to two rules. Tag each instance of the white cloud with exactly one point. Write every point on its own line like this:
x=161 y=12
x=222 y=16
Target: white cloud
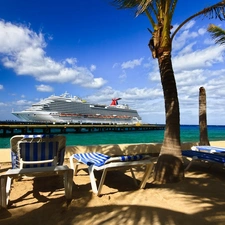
x=203 y=58
x=132 y=63
x=3 y=104
x=131 y=95
x=202 y=31
x=70 y=61
x=44 y=88
x=115 y=65
x=94 y=83
x=23 y=103
x=123 y=76
x=92 y=68
x=187 y=49
x=14 y=39
x=181 y=39
x=187 y=78
x=209 y=41
x=23 y=51
x=1 y=87
x=189 y=25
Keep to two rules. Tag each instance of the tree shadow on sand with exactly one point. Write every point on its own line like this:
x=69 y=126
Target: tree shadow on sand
x=206 y=191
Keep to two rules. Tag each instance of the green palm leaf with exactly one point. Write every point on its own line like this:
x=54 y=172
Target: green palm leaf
x=217 y=33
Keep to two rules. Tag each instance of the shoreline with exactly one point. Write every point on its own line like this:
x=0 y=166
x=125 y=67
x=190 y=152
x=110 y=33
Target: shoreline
x=114 y=149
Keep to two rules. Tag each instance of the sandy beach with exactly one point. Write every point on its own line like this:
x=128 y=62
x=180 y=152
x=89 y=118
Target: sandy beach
x=198 y=199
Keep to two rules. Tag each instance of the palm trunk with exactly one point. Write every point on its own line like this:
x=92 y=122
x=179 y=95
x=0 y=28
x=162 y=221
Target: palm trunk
x=202 y=118
x=169 y=167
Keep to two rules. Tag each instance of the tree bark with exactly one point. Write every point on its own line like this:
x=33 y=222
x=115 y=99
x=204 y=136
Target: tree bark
x=169 y=167
x=203 y=118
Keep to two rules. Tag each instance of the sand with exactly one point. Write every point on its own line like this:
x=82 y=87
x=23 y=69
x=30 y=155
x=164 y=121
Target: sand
x=198 y=199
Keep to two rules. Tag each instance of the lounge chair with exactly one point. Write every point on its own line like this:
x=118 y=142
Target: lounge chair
x=36 y=156
x=208 y=149
x=98 y=161
x=205 y=154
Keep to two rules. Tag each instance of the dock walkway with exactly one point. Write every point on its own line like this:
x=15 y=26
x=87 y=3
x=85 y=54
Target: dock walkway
x=13 y=128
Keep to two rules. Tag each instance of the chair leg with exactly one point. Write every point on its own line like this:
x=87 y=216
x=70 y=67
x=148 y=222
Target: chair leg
x=68 y=183
x=134 y=178
x=71 y=162
x=72 y=165
x=102 y=181
x=92 y=178
x=148 y=170
x=76 y=169
x=194 y=158
x=5 y=183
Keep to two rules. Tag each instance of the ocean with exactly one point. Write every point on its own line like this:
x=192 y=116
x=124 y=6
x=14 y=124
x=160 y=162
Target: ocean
x=189 y=133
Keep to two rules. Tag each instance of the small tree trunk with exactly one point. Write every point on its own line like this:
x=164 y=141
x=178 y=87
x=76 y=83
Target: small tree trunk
x=202 y=117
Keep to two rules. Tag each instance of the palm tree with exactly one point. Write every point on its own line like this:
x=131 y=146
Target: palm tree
x=202 y=118
x=169 y=167
x=217 y=33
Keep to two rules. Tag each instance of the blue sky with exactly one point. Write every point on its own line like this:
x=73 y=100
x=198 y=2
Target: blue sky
x=96 y=52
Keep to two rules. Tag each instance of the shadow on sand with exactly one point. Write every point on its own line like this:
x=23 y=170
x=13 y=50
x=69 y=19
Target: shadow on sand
x=118 y=204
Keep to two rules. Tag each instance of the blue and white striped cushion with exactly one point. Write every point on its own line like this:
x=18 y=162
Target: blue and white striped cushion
x=99 y=159
x=131 y=157
x=219 y=158
x=36 y=138
x=38 y=135
x=38 y=151
x=95 y=158
x=209 y=149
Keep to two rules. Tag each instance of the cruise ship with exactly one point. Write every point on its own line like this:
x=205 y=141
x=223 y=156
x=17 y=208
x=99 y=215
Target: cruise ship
x=72 y=109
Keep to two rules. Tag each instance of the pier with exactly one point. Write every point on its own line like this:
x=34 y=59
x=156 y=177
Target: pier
x=13 y=128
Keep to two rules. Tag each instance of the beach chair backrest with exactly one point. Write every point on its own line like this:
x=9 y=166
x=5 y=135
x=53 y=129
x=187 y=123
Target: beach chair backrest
x=38 y=154
x=37 y=150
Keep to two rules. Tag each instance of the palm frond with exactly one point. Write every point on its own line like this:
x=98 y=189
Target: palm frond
x=143 y=5
x=215 y=11
x=140 y=5
x=123 y=4
x=173 y=6
x=217 y=33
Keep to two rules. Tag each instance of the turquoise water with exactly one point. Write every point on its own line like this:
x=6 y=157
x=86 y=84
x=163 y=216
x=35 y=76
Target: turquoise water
x=189 y=133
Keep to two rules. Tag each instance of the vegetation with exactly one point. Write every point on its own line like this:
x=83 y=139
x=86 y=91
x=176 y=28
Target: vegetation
x=217 y=33
x=169 y=167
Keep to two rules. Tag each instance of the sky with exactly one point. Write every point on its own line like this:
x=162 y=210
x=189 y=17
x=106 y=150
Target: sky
x=95 y=51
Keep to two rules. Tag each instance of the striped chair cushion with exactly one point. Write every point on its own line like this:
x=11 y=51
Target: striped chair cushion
x=204 y=156
x=37 y=151
x=25 y=136
x=209 y=149
x=49 y=139
x=95 y=158
x=99 y=159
